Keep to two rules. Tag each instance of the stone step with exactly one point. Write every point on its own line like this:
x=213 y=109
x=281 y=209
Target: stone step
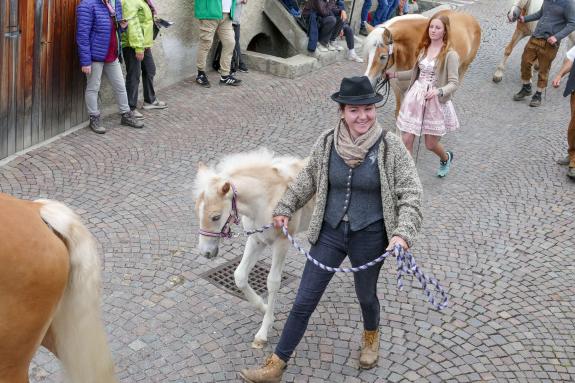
x=302 y=62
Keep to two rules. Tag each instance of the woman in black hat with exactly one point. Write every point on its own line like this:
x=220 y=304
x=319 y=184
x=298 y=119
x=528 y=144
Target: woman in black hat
x=367 y=191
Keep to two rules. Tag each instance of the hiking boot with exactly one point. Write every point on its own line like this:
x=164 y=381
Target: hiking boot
x=524 y=92
x=536 y=100
x=137 y=114
x=571 y=173
x=155 y=105
x=270 y=372
x=445 y=165
x=96 y=125
x=564 y=161
x=202 y=79
x=369 y=349
x=354 y=57
x=363 y=30
x=243 y=68
x=230 y=80
x=128 y=119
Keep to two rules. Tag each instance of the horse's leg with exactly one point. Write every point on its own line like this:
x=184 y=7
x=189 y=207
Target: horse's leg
x=517 y=36
x=398 y=99
x=251 y=254
x=279 y=250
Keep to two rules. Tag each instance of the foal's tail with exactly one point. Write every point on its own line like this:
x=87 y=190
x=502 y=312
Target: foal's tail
x=79 y=335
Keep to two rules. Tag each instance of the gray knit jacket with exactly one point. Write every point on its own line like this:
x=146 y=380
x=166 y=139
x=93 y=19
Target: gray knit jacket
x=401 y=190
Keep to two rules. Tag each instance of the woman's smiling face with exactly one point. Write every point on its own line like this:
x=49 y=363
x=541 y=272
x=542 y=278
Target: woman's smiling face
x=359 y=118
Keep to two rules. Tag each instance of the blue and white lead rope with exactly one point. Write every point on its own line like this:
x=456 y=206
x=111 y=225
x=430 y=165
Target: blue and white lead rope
x=405 y=266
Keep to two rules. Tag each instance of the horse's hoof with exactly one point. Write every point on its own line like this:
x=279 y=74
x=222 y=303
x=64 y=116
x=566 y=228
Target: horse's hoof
x=259 y=344
x=497 y=79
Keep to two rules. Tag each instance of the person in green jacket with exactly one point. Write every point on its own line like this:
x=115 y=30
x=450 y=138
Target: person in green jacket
x=216 y=16
x=137 y=44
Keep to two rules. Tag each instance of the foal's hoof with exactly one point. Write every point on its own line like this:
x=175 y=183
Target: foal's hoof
x=497 y=79
x=259 y=343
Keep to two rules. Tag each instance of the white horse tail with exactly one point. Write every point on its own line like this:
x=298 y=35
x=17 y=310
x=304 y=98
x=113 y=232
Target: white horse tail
x=79 y=336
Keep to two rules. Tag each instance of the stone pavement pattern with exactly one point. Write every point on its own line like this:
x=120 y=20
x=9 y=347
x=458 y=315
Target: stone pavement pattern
x=498 y=234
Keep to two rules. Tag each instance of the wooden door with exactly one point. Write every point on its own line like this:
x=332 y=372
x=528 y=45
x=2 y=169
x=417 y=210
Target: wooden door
x=41 y=86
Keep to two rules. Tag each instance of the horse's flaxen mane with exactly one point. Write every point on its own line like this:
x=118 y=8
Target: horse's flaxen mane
x=247 y=162
x=375 y=38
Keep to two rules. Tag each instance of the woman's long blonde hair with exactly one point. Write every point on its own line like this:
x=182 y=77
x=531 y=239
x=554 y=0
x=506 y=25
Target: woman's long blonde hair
x=426 y=40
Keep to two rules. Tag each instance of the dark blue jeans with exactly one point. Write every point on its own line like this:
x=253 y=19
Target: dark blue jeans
x=383 y=12
x=331 y=249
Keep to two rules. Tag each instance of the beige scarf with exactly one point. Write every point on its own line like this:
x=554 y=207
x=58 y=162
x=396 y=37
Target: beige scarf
x=351 y=150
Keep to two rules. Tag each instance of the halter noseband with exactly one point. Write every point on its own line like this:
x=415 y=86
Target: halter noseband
x=233 y=218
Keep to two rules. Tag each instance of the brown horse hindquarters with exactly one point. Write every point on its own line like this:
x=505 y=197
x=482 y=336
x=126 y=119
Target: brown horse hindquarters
x=33 y=276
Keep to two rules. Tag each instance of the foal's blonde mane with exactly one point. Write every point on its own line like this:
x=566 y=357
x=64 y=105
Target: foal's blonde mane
x=255 y=162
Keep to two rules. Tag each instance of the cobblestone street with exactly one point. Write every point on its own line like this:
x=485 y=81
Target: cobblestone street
x=498 y=233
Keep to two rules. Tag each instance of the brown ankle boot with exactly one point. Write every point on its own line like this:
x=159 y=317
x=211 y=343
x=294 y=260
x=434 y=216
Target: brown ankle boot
x=369 y=349
x=270 y=372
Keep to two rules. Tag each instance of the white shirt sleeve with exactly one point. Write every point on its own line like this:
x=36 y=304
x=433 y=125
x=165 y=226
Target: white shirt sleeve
x=226 y=6
x=570 y=55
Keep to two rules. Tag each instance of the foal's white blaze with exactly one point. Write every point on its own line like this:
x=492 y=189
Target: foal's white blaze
x=207 y=246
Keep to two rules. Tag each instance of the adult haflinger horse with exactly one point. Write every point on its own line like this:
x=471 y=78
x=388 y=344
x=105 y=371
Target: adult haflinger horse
x=49 y=292
x=522 y=30
x=394 y=45
x=246 y=187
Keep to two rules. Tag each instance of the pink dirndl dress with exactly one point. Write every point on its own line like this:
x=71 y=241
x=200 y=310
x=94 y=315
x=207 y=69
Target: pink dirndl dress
x=439 y=118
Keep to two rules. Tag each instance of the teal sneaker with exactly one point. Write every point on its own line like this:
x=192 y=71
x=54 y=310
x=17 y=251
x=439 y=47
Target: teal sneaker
x=445 y=165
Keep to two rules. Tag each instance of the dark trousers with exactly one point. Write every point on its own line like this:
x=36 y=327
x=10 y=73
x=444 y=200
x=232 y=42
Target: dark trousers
x=134 y=68
x=331 y=249
x=347 y=32
x=326 y=25
x=237 y=51
x=571 y=134
x=319 y=29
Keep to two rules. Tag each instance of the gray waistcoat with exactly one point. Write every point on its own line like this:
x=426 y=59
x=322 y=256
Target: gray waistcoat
x=354 y=193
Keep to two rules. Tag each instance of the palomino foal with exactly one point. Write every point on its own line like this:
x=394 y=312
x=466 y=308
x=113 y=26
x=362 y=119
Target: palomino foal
x=246 y=187
x=522 y=30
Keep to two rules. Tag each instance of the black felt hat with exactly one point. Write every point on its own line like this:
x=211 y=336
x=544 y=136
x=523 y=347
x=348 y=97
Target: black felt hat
x=356 y=91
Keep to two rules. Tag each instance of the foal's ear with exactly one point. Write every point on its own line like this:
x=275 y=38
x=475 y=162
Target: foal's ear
x=225 y=188
x=201 y=167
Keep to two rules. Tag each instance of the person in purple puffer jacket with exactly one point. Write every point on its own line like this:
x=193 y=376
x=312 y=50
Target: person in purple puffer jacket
x=98 y=24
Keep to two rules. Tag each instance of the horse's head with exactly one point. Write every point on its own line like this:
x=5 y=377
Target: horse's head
x=379 y=49
x=215 y=209
x=516 y=9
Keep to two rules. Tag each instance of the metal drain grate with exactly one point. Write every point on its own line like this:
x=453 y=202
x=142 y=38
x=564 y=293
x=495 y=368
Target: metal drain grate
x=223 y=277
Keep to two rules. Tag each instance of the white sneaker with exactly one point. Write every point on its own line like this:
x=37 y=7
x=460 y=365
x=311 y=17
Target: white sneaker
x=137 y=114
x=321 y=48
x=155 y=105
x=354 y=57
x=330 y=47
x=335 y=46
